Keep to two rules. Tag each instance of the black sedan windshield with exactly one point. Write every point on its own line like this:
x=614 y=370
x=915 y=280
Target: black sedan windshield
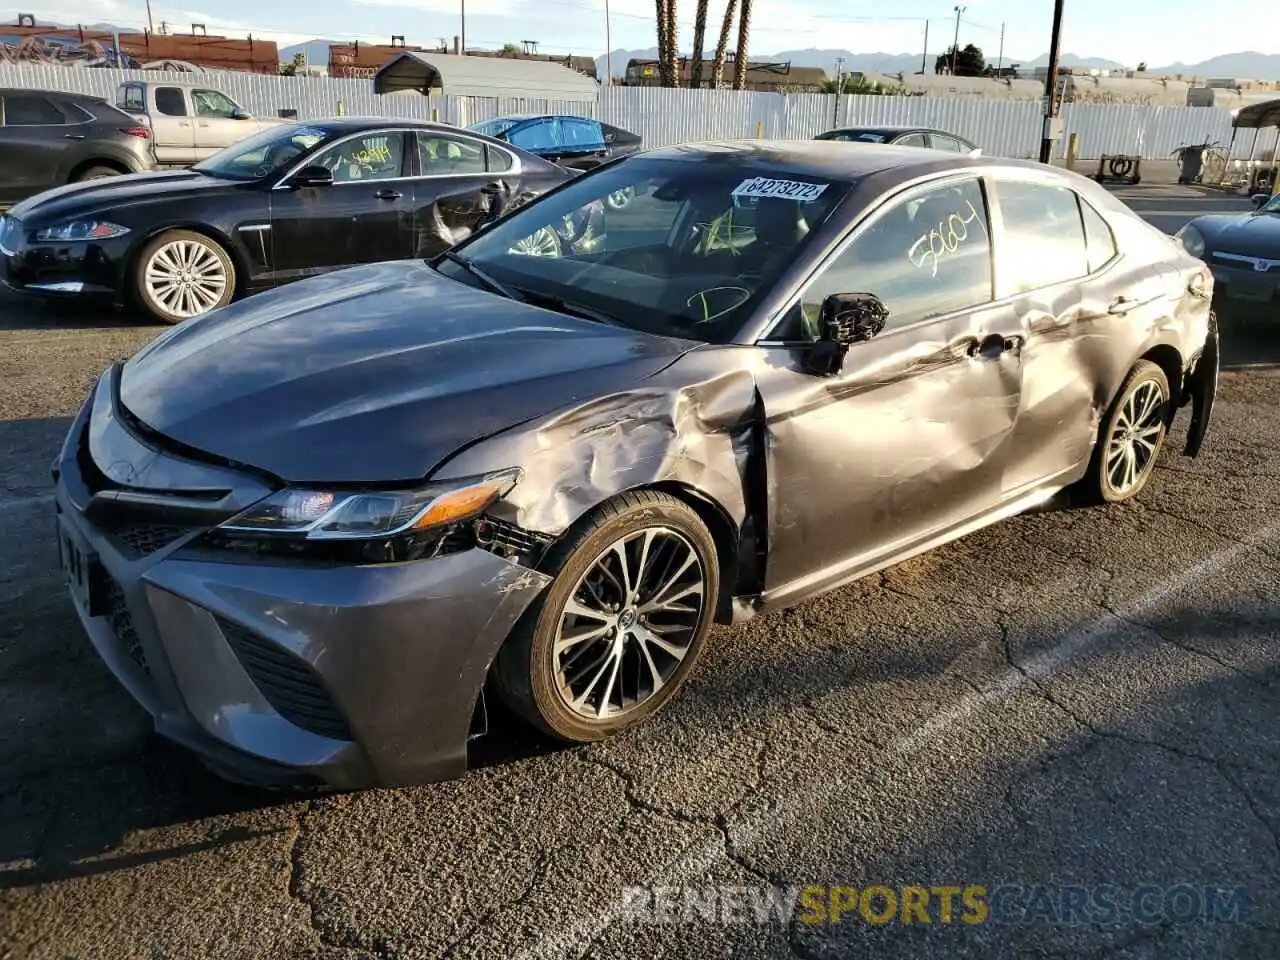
x=263 y=154
x=668 y=246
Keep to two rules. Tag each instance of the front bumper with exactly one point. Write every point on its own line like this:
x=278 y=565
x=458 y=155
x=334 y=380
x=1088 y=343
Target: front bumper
x=278 y=673
x=81 y=269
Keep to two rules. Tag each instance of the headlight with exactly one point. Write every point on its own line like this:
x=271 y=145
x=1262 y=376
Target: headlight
x=361 y=525
x=1192 y=240
x=82 y=230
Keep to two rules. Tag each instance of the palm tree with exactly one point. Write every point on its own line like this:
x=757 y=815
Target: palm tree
x=717 y=68
x=667 y=67
x=699 y=34
x=673 y=45
x=740 y=62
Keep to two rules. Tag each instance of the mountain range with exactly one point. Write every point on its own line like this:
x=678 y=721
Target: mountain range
x=1248 y=64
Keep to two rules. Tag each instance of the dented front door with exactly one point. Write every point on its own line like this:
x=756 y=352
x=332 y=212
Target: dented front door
x=907 y=441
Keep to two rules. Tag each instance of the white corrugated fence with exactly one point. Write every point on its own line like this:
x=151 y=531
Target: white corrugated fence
x=1009 y=128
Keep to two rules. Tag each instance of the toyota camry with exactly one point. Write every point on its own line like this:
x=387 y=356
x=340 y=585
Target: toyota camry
x=316 y=532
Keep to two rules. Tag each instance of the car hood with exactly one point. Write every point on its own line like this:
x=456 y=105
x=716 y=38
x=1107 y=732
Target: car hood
x=374 y=374
x=79 y=199
x=1252 y=235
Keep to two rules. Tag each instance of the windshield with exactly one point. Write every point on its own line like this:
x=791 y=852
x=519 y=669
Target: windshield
x=263 y=154
x=677 y=247
x=494 y=128
x=1272 y=205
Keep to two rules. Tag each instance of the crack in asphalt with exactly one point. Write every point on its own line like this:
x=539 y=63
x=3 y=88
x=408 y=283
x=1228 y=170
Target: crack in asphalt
x=537 y=876
x=349 y=941
x=1271 y=827
x=1161 y=510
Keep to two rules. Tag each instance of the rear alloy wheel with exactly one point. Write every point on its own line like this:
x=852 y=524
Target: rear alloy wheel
x=544 y=242
x=618 y=631
x=96 y=173
x=1131 y=436
x=182 y=274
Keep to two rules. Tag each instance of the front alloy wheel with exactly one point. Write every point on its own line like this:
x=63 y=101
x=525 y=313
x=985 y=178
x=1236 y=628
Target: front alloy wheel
x=544 y=242
x=182 y=274
x=621 y=626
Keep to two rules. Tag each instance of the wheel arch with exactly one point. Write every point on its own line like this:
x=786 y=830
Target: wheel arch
x=80 y=167
x=1169 y=359
x=724 y=532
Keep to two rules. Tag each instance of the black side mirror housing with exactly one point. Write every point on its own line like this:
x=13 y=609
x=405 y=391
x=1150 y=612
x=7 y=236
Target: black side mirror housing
x=314 y=176
x=1260 y=200
x=239 y=114
x=847 y=318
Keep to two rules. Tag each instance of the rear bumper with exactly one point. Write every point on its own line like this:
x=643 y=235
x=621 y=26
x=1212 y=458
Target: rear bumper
x=279 y=673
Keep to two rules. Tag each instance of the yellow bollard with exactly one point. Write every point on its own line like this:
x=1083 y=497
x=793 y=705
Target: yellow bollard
x=435 y=114
x=1073 y=150
x=760 y=130
x=341 y=110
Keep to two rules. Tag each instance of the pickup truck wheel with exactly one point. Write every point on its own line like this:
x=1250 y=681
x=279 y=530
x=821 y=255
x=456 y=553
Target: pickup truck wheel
x=182 y=274
x=95 y=173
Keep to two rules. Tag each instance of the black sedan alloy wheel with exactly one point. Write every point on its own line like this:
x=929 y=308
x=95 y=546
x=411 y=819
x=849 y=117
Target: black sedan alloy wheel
x=621 y=626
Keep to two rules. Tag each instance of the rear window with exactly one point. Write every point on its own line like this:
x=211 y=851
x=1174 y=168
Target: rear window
x=131 y=100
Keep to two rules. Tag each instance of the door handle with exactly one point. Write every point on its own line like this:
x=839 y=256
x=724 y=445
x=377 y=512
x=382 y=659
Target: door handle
x=74 y=136
x=490 y=189
x=1120 y=306
x=388 y=194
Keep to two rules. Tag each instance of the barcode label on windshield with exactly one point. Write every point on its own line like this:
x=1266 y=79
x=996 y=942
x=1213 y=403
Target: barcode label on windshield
x=780 y=189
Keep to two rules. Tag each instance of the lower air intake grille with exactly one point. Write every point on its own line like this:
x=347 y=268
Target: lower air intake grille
x=288 y=683
x=122 y=624
x=141 y=539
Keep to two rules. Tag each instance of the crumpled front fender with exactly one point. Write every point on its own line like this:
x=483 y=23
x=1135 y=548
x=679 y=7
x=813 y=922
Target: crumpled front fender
x=1202 y=388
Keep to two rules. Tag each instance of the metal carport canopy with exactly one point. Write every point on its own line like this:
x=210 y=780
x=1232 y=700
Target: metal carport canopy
x=483 y=77
x=1257 y=115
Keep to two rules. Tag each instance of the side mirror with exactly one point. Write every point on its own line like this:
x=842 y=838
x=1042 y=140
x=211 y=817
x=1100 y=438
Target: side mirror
x=1260 y=200
x=847 y=318
x=314 y=176
x=239 y=114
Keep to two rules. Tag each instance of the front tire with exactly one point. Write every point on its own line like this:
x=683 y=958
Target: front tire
x=182 y=274
x=1130 y=437
x=617 y=633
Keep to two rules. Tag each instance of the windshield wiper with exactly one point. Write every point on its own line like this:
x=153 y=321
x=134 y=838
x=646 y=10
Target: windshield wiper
x=561 y=305
x=495 y=286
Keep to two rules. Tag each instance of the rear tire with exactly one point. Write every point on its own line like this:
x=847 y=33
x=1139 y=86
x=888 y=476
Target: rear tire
x=182 y=274
x=1130 y=437
x=96 y=172
x=618 y=631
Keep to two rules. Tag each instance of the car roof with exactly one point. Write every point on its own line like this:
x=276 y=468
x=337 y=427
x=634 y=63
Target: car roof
x=845 y=160
x=339 y=125
x=890 y=129
x=54 y=94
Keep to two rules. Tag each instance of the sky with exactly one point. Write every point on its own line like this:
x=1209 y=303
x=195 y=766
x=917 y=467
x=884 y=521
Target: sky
x=1129 y=31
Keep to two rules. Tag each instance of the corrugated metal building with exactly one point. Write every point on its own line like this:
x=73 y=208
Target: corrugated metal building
x=444 y=73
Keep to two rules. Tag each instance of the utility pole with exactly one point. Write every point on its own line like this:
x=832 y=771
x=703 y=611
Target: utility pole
x=1000 y=62
x=608 y=47
x=955 y=46
x=150 y=26
x=462 y=37
x=835 y=110
x=1051 y=87
x=924 y=57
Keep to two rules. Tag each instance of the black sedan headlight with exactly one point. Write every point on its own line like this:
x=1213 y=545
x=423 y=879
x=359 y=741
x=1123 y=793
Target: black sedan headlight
x=1192 y=240
x=362 y=526
x=78 y=230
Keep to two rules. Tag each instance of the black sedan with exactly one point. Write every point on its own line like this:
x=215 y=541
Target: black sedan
x=1242 y=250
x=308 y=531
x=903 y=137
x=290 y=202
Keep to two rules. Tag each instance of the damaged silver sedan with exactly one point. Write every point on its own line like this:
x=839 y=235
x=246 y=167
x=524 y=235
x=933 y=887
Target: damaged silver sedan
x=311 y=530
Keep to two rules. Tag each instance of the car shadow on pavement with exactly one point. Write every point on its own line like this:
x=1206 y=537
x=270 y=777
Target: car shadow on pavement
x=1250 y=335
x=34 y=313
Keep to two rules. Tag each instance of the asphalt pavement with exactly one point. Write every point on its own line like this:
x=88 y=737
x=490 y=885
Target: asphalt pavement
x=1075 y=708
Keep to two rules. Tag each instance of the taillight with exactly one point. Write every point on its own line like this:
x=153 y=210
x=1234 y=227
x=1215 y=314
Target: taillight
x=142 y=133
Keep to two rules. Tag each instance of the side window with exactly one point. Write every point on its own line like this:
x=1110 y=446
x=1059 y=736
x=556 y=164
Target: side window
x=950 y=144
x=20 y=111
x=1043 y=235
x=1099 y=239
x=131 y=100
x=212 y=103
x=535 y=137
x=374 y=156
x=582 y=134
x=911 y=140
x=499 y=160
x=170 y=102
x=923 y=257
x=442 y=155
x=74 y=113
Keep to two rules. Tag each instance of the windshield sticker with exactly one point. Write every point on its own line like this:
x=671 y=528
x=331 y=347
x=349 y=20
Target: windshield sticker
x=779 y=189
x=942 y=240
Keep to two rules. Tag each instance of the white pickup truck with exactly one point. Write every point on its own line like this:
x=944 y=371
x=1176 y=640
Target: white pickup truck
x=188 y=121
